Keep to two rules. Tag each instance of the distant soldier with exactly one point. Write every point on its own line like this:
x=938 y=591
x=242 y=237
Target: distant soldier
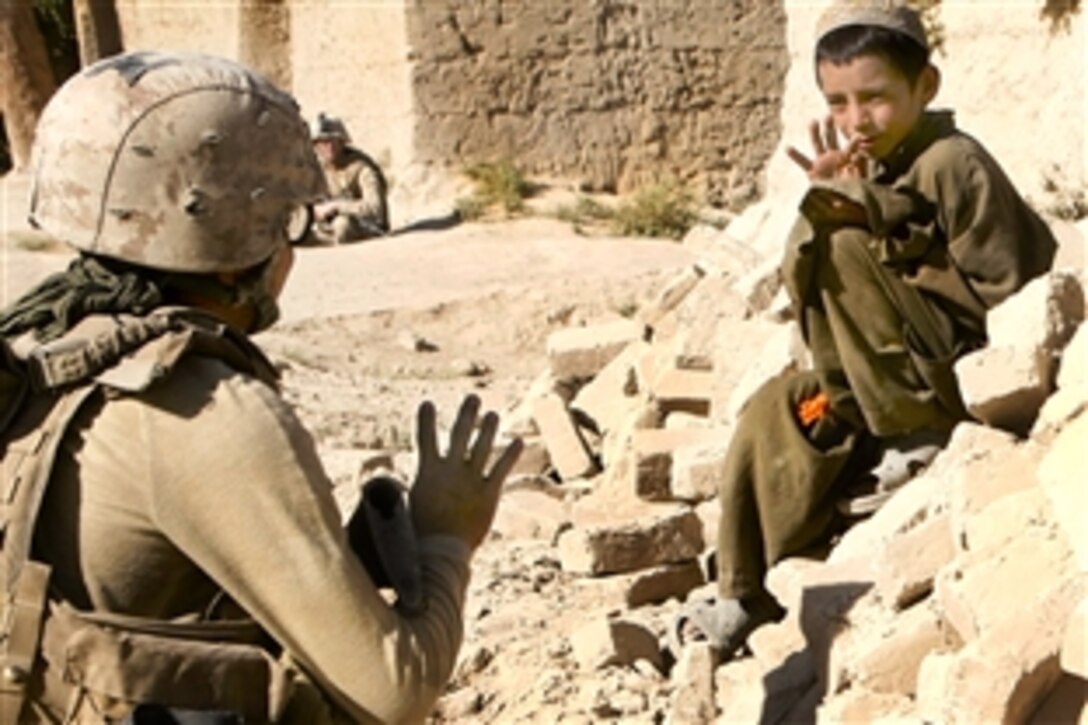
x=356 y=207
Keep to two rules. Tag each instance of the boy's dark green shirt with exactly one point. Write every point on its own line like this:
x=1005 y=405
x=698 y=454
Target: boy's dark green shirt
x=945 y=217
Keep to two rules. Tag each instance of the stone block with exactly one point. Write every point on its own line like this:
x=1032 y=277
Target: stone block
x=775 y=357
x=697 y=470
x=983 y=589
x=1071 y=396
x=1074 y=656
x=739 y=696
x=649 y=586
x=566 y=447
x=1004 y=675
x=859 y=705
x=619 y=642
x=1006 y=383
x=528 y=514
x=773 y=644
x=1003 y=520
x=671 y=295
x=934 y=674
x=693 y=686
x=888 y=660
x=1061 y=473
x=577 y=353
x=759 y=287
x=687 y=391
x=612 y=395
x=911 y=560
x=909 y=507
x=534 y=459
x=613 y=542
x=653 y=451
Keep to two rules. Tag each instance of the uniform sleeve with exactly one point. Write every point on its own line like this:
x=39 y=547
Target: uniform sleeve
x=370 y=204
x=240 y=490
x=994 y=238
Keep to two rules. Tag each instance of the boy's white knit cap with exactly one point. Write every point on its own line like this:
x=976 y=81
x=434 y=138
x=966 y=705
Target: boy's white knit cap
x=891 y=14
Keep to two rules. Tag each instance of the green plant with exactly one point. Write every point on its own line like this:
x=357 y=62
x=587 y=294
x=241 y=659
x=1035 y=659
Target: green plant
x=499 y=184
x=658 y=210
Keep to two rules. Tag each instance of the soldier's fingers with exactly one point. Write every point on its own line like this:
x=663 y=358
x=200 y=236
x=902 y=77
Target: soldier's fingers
x=485 y=438
x=830 y=135
x=462 y=427
x=817 y=138
x=799 y=158
x=426 y=435
x=505 y=464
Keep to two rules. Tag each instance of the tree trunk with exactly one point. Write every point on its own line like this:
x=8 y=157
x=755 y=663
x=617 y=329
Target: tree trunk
x=97 y=28
x=26 y=78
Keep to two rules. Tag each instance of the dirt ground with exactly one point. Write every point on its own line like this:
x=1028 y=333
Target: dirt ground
x=370 y=330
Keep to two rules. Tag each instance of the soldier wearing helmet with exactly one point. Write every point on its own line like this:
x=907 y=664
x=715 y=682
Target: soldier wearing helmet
x=355 y=208
x=169 y=548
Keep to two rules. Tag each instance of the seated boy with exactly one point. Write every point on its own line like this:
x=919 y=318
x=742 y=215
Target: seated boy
x=909 y=233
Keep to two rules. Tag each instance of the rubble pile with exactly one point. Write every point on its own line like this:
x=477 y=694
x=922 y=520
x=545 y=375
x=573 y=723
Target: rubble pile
x=961 y=600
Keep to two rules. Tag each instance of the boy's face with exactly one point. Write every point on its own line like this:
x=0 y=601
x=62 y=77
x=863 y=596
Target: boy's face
x=873 y=103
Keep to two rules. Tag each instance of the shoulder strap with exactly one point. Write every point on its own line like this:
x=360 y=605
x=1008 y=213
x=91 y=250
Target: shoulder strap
x=26 y=582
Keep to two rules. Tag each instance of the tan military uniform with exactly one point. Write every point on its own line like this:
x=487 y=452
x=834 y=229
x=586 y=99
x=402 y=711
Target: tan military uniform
x=204 y=483
x=358 y=187
x=886 y=311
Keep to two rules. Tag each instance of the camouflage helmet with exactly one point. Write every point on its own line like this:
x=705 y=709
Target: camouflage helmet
x=174 y=161
x=327 y=127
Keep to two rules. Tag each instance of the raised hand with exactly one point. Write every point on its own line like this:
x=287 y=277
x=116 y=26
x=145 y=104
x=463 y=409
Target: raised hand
x=829 y=161
x=453 y=494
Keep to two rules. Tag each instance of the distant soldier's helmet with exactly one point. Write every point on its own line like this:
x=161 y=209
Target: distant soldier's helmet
x=326 y=127
x=174 y=161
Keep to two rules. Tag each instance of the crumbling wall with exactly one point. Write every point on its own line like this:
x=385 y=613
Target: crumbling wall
x=209 y=27
x=610 y=92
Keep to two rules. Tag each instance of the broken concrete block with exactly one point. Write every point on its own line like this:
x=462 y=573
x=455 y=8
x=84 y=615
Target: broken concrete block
x=859 y=705
x=888 y=661
x=613 y=394
x=672 y=294
x=613 y=542
x=759 y=286
x=774 y=358
x=653 y=452
x=1006 y=383
x=686 y=421
x=739 y=698
x=530 y=515
x=649 y=586
x=1062 y=475
x=1003 y=520
x=934 y=673
x=773 y=644
x=1007 y=673
x=604 y=643
x=1074 y=658
x=566 y=447
x=693 y=686
x=982 y=589
x=1071 y=396
x=697 y=470
x=912 y=559
x=534 y=459
x=582 y=352
x=687 y=391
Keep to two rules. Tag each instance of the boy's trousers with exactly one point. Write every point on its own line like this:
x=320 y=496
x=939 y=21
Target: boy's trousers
x=882 y=354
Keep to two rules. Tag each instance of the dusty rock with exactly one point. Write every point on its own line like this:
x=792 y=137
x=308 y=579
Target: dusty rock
x=1072 y=394
x=624 y=542
x=774 y=358
x=530 y=515
x=581 y=352
x=611 y=395
x=860 y=705
x=888 y=661
x=739 y=694
x=1074 y=656
x=653 y=451
x=697 y=470
x=1006 y=383
x=650 y=586
x=687 y=391
x=609 y=642
x=911 y=560
x=671 y=295
x=1062 y=476
x=566 y=447
x=693 y=694
x=760 y=286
